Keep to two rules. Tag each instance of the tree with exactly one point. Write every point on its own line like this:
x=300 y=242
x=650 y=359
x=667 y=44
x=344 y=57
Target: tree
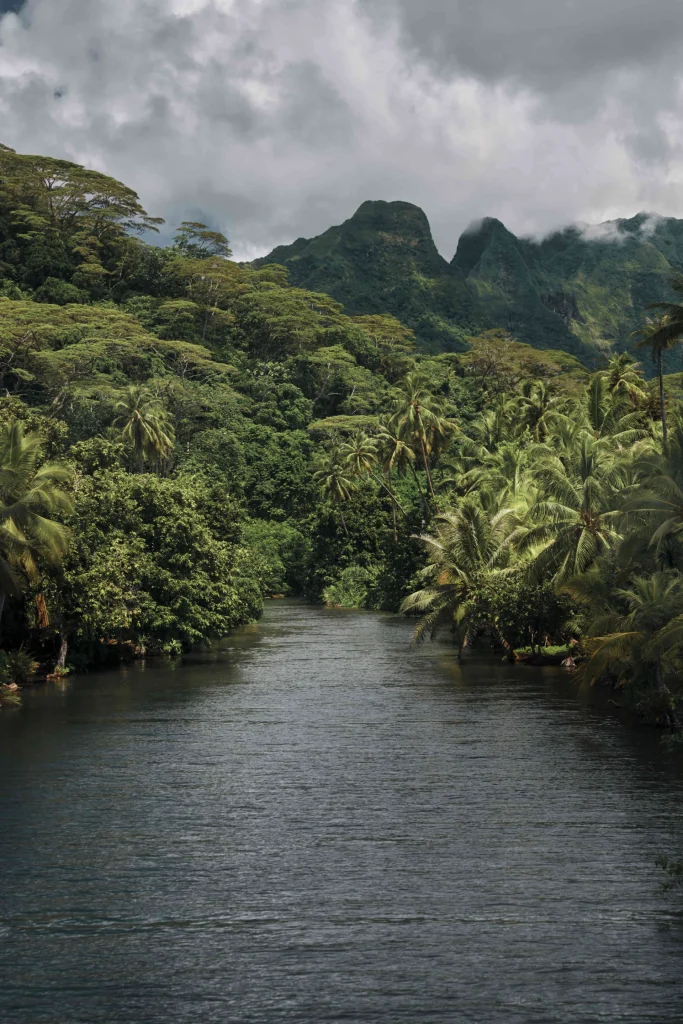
x=467 y=556
x=396 y=456
x=421 y=421
x=539 y=402
x=199 y=242
x=637 y=639
x=156 y=564
x=67 y=221
x=360 y=453
x=31 y=495
x=623 y=376
x=659 y=495
x=662 y=334
x=144 y=423
x=576 y=517
x=336 y=480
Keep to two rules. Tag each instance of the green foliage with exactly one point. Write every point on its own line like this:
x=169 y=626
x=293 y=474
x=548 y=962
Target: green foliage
x=17 y=667
x=182 y=436
x=353 y=588
x=569 y=293
x=31 y=495
x=155 y=562
x=284 y=551
x=197 y=241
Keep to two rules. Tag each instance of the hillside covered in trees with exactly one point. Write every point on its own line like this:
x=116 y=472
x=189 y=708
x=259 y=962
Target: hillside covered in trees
x=182 y=436
x=581 y=290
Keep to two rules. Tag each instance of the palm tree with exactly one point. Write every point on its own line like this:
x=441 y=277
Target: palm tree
x=575 y=520
x=659 y=496
x=539 y=402
x=501 y=423
x=421 y=421
x=144 y=422
x=639 y=640
x=466 y=554
x=502 y=477
x=31 y=495
x=360 y=453
x=661 y=334
x=396 y=456
x=624 y=378
x=336 y=480
x=609 y=413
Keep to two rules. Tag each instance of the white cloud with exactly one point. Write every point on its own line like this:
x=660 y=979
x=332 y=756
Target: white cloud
x=276 y=118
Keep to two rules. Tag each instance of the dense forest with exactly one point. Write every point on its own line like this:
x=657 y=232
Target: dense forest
x=182 y=436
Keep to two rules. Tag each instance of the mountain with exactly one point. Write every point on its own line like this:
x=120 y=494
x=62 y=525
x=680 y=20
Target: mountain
x=582 y=290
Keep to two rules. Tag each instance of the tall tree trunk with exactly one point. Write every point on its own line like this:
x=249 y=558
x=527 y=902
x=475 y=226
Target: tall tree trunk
x=61 y=658
x=393 y=507
x=389 y=491
x=426 y=465
x=343 y=521
x=419 y=487
x=661 y=396
x=3 y=595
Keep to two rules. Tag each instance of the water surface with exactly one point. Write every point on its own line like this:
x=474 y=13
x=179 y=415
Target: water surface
x=323 y=825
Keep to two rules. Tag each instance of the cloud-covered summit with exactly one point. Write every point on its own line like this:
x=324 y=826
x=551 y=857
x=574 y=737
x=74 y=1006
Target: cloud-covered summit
x=273 y=119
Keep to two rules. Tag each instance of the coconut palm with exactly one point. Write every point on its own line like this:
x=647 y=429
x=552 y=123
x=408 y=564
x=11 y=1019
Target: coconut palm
x=504 y=421
x=503 y=476
x=360 y=452
x=662 y=334
x=609 y=413
x=539 y=403
x=639 y=638
x=421 y=421
x=31 y=495
x=576 y=518
x=395 y=457
x=465 y=555
x=624 y=378
x=144 y=422
x=336 y=480
x=658 y=500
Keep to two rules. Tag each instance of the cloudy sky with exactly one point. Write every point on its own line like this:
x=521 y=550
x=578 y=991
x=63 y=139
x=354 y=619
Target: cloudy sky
x=272 y=119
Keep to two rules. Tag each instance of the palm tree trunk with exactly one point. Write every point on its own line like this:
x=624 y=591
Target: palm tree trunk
x=343 y=521
x=661 y=395
x=419 y=487
x=389 y=491
x=426 y=465
x=3 y=595
x=393 y=506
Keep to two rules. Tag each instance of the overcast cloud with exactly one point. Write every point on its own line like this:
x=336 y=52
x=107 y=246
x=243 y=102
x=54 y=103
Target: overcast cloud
x=276 y=118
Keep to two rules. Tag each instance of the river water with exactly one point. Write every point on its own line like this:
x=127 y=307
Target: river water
x=320 y=824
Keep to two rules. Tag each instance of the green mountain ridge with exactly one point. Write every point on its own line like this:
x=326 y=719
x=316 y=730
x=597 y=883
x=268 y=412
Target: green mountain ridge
x=581 y=289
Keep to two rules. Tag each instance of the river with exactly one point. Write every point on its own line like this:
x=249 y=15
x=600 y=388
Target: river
x=319 y=824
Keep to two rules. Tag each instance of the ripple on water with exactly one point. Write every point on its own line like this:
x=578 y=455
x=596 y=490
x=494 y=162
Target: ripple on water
x=321 y=824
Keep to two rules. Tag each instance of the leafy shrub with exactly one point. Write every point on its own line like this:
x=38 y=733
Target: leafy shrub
x=17 y=667
x=353 y=588
x=59 y=293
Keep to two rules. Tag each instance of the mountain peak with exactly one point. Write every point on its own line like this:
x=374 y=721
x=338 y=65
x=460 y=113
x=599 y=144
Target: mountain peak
x=582 y=289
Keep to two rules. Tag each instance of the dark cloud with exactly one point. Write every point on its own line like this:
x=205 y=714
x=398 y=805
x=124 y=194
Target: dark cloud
x=277 y=118
x=11 y=6
x=542 y=43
